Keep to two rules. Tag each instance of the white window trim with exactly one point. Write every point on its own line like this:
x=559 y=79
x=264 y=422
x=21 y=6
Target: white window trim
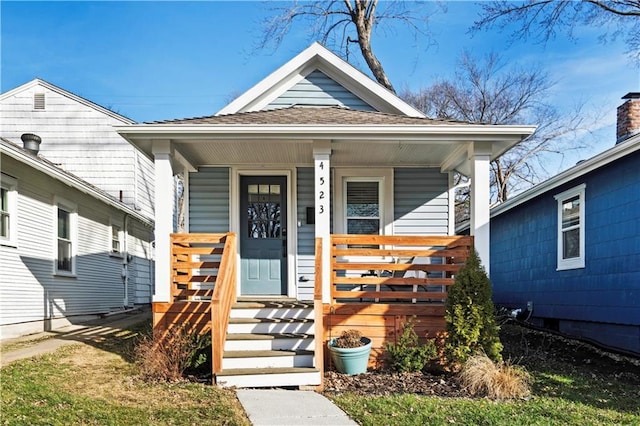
x=385 y=178
x=10 y=184
x=575 y=262
x=72 y=208
x=112 y=223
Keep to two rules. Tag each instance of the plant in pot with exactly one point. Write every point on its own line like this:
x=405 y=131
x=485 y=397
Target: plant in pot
x=350 y=352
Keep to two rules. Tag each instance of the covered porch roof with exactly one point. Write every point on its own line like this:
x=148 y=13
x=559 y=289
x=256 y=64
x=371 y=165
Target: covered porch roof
x=358 y=138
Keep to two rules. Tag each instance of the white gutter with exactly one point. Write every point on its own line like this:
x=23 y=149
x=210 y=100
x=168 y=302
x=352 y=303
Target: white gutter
x=423 y=132
x=70 y=180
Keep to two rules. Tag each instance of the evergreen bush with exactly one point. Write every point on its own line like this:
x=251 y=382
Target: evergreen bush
x=408 y=355
x=470 y=315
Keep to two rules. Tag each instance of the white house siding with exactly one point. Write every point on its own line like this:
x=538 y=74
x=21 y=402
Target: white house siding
x=82 y=141
x=141 y=266
x=306 y=234
x=209 y=200
x=318 y=89
x=30 y=294
x=421 y=202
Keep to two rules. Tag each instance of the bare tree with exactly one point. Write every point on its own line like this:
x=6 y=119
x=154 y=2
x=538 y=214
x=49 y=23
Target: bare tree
x=334 y=22
x=543 y=19
x=483 y=91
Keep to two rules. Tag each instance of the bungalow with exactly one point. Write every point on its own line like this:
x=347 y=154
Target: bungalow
x=567 y=251
x=321 y=201
x=68 y=250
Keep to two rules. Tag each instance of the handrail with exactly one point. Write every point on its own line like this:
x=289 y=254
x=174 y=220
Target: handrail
x=224 y=296
x=395 y=269
x=204 y=266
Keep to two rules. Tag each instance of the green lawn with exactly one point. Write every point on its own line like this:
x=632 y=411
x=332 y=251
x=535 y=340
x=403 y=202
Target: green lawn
x=95 y=385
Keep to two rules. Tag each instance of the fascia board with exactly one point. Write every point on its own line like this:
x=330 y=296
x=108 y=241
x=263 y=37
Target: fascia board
x=71 y=181
x=62 y=92
x=616 y=152
x=371 y=132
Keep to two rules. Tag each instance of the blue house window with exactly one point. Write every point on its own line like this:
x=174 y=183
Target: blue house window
x=571 y=228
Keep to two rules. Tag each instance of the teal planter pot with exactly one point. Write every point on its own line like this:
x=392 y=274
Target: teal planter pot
x=351 y=361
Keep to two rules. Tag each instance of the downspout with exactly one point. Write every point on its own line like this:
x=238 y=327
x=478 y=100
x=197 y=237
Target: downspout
x=125 y=260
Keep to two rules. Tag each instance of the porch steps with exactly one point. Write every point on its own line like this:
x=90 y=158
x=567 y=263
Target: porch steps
x=269 y=344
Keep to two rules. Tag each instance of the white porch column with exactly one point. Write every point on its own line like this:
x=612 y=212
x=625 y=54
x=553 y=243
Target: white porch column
x=163 y=218
x=480 y=158
x=322 y=188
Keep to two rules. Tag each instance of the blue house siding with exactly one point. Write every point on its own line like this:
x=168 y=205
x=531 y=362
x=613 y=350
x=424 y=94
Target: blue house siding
x=209 y=200
x=306 y=234
x=317 y=89
x=421 y=202
x=602 y=300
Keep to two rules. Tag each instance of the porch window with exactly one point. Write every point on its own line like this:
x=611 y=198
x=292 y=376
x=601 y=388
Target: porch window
x=8 y=210
x=363 y=207
x=66 y=244
x=571 y=228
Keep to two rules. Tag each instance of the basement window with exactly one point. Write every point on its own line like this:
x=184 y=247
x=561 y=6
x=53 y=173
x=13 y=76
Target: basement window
x=38 y=101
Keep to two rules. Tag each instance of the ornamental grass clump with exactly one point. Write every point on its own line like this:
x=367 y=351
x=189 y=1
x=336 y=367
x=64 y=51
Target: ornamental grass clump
x=349 y=339
x=496 y=380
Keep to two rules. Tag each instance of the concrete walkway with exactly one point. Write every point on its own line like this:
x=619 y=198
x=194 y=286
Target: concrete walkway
x=263 y=407
x=271 y=407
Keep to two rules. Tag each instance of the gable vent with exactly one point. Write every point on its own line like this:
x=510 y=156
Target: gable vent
x=38 y=101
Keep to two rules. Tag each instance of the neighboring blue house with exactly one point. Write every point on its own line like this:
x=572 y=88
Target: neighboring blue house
x=570 y=246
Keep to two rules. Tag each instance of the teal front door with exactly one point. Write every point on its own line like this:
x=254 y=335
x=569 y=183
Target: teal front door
x=263 y=235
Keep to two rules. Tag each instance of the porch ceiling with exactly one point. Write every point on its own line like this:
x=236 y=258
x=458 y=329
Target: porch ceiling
x=443 y=146
x=344 y=153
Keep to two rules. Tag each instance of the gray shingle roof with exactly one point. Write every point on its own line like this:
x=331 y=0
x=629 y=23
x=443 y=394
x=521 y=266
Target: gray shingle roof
x=297 y=115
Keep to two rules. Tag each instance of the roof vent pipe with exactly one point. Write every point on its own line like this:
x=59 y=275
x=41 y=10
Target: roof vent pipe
x=31 y=142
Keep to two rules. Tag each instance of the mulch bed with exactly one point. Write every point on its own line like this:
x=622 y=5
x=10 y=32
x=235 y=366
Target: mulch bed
x=523 y=346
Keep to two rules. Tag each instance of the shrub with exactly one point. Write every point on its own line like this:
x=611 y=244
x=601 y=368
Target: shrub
x=470 y=315
x=349 y=339
x=408 y=355
x=483 y=377
x=166 y=360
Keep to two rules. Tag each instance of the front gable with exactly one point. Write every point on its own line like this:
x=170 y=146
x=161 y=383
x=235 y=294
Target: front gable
x=318 y=77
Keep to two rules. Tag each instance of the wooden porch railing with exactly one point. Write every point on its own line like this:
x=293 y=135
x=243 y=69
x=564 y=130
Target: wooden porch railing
x=317 y=309
x=204 y=267
x=395 y=269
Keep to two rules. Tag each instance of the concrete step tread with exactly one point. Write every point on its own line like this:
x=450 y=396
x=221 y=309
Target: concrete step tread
x=257 y=371
x=269 y=320
x=265 y=353
x=268 y=336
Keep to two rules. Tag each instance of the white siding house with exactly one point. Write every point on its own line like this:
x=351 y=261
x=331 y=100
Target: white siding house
x=68 y=250
x=78 y=136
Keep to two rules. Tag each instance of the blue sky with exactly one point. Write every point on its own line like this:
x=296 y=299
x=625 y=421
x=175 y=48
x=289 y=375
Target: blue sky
x=161 y=60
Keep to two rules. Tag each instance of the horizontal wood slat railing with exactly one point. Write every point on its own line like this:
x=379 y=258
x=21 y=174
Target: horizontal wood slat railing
x=203 y=268
x=317 y=309
x=395 y=269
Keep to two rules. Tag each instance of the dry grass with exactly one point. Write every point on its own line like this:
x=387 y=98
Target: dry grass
x=165 y=360
x=483 y=377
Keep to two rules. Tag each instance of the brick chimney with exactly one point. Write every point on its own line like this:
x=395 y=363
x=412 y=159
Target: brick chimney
x=628 y=117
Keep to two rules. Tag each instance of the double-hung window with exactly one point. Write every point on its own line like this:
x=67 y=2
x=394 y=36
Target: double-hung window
x=66 y=223
x=116 y=240
x=363 y=209
x=8 y=214
x=571 y=228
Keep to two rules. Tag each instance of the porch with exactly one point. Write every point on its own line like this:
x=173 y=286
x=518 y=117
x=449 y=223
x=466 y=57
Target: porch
x=375 y=284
